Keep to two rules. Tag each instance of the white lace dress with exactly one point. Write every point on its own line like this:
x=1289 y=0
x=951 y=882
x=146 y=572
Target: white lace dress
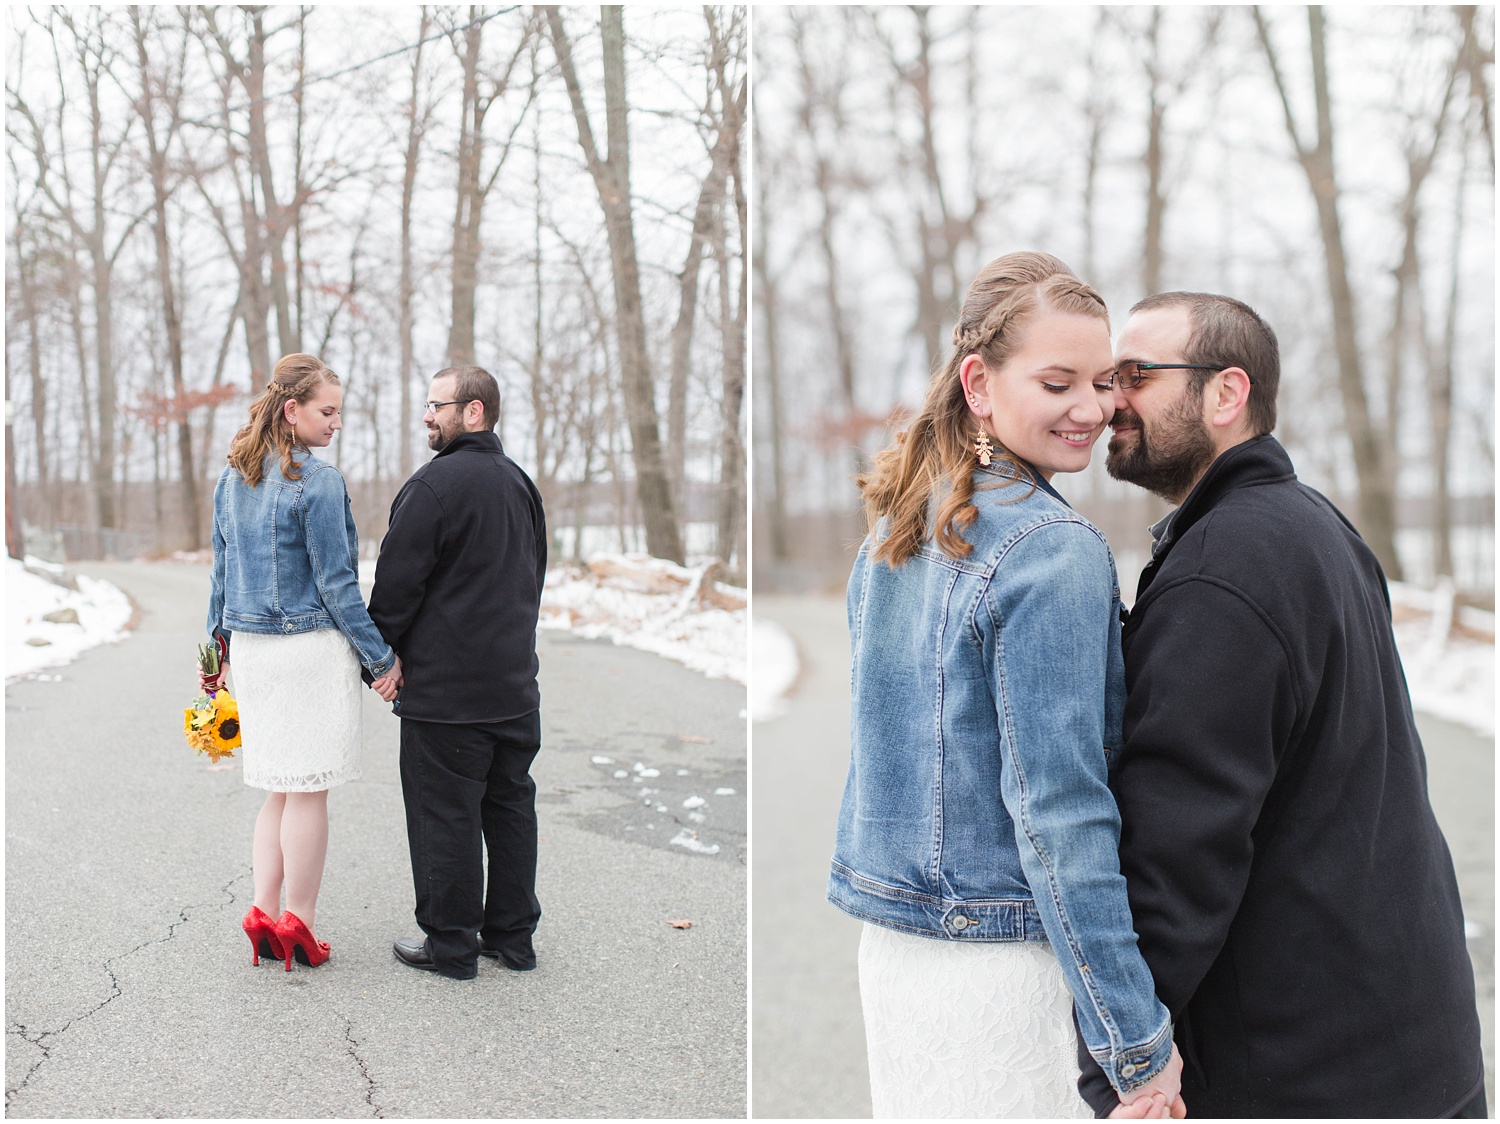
x=300 y=709
x=967 y=1029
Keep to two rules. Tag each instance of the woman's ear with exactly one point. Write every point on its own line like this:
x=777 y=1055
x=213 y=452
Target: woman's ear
x=976 y=379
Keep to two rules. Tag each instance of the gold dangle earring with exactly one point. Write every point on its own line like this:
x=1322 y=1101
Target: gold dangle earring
x=983 y=448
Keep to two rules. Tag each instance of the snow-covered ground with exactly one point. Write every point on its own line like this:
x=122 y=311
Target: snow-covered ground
x=94 y=613
x=646 y=603
x=1450 y=672
x=773 y=656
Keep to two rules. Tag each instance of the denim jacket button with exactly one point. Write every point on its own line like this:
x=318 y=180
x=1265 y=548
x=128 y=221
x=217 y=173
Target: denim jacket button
x=960 y=922
x=290 y=626
x=1127 y=1071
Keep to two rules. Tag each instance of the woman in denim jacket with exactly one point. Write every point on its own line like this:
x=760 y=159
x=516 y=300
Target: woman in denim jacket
x=978 y=837
x=286 y=589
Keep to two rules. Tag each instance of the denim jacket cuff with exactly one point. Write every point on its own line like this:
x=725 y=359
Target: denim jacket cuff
x=380 y=667
x=1133 y=1066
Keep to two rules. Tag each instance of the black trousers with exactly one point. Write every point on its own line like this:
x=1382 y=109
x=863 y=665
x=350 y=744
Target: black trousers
x=468 y=790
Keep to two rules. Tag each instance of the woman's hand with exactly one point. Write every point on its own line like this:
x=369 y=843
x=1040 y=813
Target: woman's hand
x=1158 y=1099
x=213 y=682
x=389 y=683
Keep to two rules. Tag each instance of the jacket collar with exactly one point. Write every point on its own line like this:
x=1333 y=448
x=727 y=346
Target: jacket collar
x=484 y=440
x=1030 y=476
x=1261 y=460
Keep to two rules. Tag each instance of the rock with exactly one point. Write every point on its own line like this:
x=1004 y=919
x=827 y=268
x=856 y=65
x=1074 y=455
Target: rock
x=62 y=616
x=38 y=642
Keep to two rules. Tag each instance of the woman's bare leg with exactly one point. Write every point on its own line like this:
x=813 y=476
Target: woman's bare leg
x=266 y=869
x=304 y=846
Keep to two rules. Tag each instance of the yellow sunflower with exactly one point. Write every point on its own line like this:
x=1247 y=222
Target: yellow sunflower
x=225 y=730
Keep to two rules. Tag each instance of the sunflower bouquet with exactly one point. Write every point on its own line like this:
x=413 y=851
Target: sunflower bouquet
x=212 y=723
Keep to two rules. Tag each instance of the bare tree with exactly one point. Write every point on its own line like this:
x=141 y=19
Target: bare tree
x=89 y=219
x=611 y=174
x=1377 y=500
x=733 y=318
x=480 y=92
x=162 y=188
x=418 y=120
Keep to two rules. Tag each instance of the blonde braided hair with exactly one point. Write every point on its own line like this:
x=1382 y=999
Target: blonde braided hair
x=937 y=446
x=296 y=377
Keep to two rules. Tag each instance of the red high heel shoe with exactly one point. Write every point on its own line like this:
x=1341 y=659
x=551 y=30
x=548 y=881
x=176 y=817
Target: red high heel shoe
x=297 y=940
x=262 y=933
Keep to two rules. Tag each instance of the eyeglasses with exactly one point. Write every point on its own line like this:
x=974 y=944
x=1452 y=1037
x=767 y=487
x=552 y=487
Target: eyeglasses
x=434 y=407
x=1128 y=375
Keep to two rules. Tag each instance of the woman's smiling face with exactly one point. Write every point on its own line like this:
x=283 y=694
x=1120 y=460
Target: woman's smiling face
x=1051 y=399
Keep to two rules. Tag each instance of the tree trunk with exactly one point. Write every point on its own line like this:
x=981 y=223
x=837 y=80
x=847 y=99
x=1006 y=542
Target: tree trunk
x=611 y=176
x=1377 y=501
x=157 y=163
x=416 y=123
x=260 y=163
x=15 y=542
x=1156 y=203
x=470 y=204
x=768 y=353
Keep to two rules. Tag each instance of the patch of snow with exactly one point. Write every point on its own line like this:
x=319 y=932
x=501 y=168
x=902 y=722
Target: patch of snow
x=598 y=760
x=1450 y=671
x=774 y=657
x=691 y=842
x=723 y=792
x=32 y=643
x=620 y=774
x=671 y=624
x=694 y=802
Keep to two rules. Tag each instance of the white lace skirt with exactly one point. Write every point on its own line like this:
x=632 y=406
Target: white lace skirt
x=967 y=1029
x=300 y=708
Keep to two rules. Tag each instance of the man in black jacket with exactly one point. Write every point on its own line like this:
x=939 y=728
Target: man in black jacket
x=457 y=591
x=1292 y=892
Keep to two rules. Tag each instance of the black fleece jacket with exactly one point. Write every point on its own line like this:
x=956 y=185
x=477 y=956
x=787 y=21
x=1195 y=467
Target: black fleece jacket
x=1293 y=895
x=459 y=584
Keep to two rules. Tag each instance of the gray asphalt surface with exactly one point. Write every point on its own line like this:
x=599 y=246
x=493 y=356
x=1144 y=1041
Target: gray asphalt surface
x=806 y=1029
x=129 y=990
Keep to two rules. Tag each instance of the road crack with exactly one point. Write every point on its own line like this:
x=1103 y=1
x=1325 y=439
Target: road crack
x=44 y=1040
x=364 y=1070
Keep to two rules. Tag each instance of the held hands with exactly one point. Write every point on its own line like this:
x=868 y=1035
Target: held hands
x=1158 y=1099
x=389 y=683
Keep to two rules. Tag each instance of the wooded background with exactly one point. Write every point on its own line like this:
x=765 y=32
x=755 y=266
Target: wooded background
x=1333 y=168
x=558 y=195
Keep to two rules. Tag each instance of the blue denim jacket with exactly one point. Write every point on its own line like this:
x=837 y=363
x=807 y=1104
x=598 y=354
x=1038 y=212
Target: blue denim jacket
x=988 y=694
x=286 y=559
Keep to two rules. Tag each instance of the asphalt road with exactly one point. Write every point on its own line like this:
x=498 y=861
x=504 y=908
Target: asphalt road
x=128 y=985
x=807 y=1030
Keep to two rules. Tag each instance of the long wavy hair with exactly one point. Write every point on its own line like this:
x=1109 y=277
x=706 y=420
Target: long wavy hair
x=296 y=377
x=938 y=446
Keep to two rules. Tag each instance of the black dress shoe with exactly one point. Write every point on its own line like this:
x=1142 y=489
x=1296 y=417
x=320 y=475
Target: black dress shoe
x=413 y=952
x=510 y=959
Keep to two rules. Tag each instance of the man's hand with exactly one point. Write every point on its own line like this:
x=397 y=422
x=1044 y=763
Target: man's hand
x=1158 y=1099
x=389 y=683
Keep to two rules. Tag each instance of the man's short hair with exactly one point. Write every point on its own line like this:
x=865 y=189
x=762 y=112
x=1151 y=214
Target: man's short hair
x=1229 y=333
x=477 y=385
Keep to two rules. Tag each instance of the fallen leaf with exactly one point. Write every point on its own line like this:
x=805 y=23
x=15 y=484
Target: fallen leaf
x=681 y=923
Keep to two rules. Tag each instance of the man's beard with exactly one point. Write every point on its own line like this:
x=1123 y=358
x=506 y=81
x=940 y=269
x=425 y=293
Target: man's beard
x=437 y=439
x=1170 y=462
